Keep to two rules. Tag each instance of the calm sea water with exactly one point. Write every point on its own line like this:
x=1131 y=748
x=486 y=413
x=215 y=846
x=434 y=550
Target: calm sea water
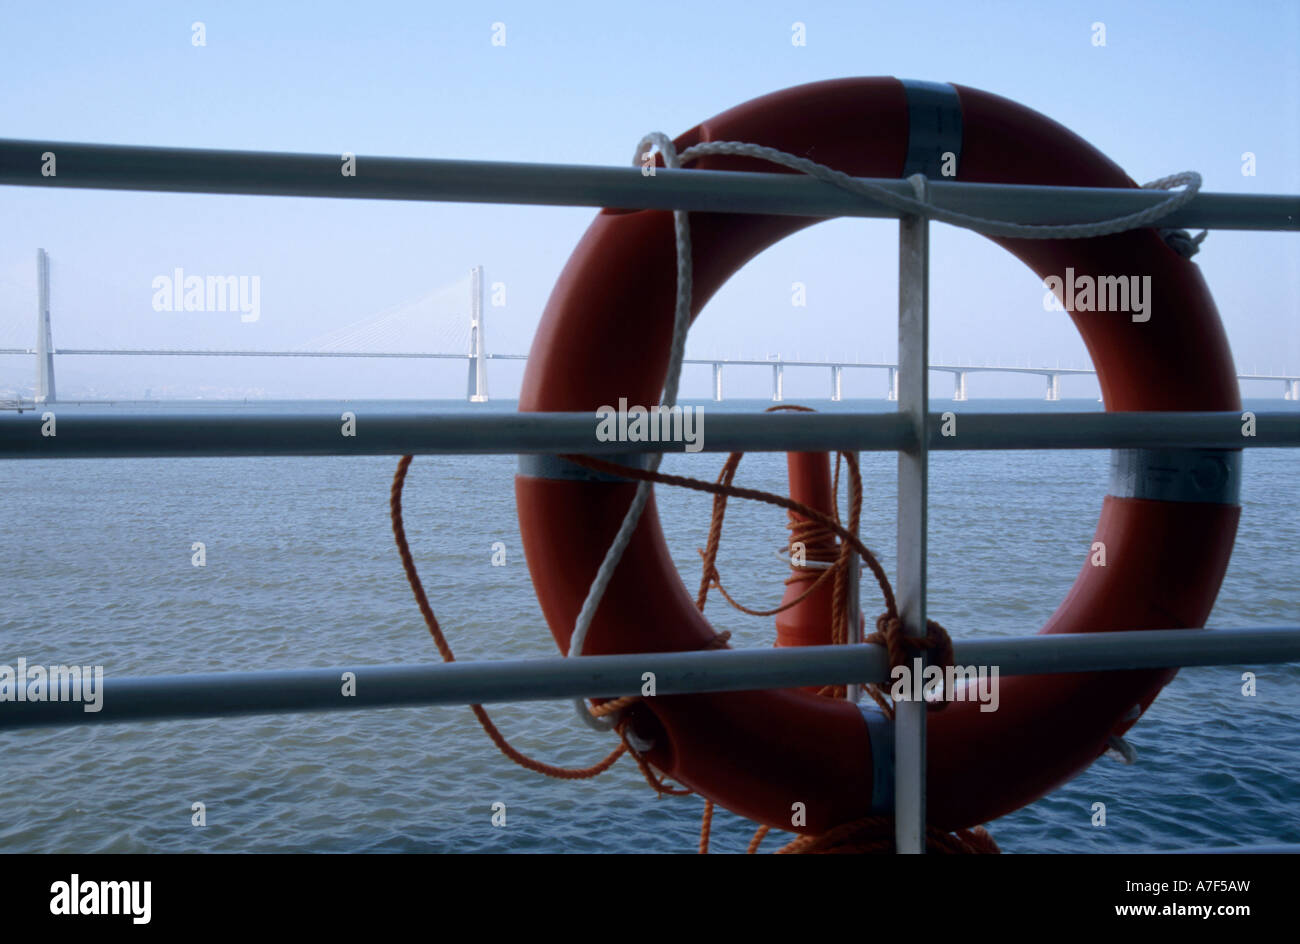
x=301 y=571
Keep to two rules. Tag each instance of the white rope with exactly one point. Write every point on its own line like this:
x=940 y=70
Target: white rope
x=681 y=320
x=1190 y=181
x=1121 y=750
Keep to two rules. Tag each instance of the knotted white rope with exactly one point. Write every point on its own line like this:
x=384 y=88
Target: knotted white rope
x=1189 y=180
x=1179 y=240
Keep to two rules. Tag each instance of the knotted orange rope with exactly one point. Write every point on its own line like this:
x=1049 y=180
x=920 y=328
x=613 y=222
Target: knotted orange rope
x=873 y=834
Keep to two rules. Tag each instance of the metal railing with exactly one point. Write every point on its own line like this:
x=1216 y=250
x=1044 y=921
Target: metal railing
x=911 y=432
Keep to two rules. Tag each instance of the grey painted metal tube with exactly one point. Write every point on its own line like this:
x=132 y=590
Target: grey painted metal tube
x=910 y=717
x=275 y=692
x=319 y=432
x=1191 y=430
x=185 y=170
x=145 y=352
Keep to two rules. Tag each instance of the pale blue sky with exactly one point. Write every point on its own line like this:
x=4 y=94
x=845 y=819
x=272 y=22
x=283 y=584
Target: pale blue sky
x=1178 y=86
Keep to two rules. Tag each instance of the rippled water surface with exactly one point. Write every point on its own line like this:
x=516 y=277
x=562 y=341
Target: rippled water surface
x=301 y=571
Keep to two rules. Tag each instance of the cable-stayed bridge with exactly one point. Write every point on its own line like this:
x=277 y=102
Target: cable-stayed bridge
x=422 y=329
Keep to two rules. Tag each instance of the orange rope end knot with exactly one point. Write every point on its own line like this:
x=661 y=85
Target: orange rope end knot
x=903 y=649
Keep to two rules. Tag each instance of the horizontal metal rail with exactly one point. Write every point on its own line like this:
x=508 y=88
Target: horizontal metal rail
x=458 y=683
x=319 y=432
x=160 y=352
x=117 y=167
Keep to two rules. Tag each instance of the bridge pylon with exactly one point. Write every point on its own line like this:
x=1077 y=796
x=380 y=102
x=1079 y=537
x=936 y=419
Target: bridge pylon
x=44 y=338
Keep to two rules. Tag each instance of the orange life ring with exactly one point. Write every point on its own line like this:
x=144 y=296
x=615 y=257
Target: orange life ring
x=1168 y=524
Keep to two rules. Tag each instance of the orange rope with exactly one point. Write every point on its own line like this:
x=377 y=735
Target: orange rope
x=440 y=640
x=706 y=826
x=444 y=648
x=873 y=834
x=733 y=491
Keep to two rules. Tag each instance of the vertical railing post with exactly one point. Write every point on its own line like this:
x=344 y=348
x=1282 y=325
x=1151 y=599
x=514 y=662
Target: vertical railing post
x=913 y=497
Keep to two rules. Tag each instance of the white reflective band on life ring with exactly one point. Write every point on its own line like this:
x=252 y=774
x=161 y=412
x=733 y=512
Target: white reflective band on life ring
x=1177 y=475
